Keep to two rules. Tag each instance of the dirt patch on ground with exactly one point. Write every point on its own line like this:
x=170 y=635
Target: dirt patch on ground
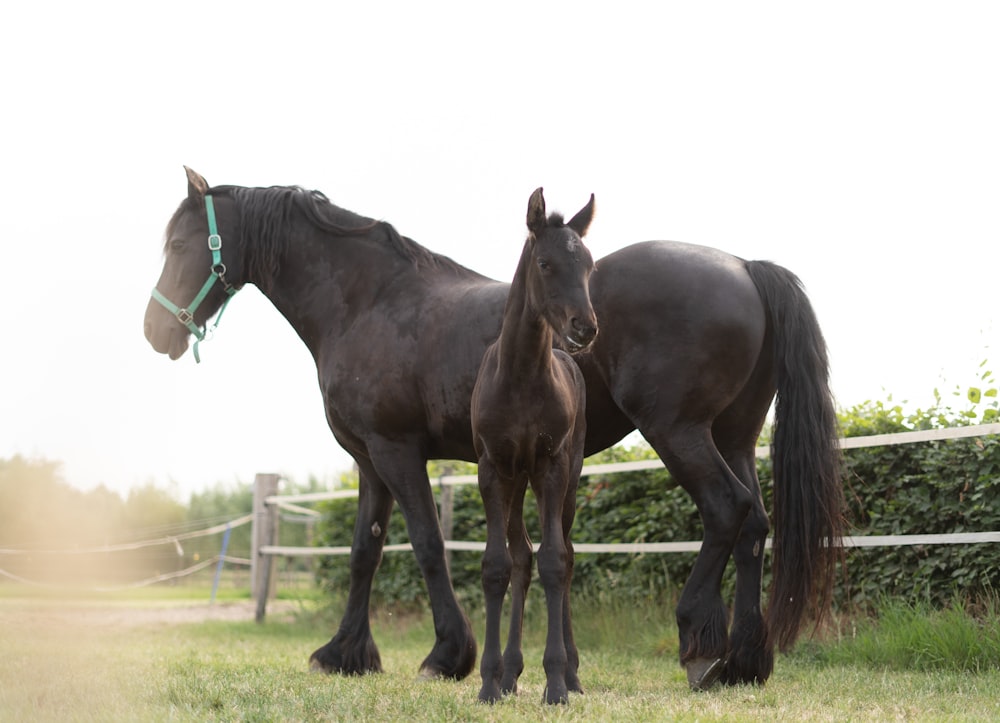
x=118 y=615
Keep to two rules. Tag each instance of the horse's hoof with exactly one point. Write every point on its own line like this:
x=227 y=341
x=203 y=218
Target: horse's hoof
x=703 y=673
x=556 y=695
x=453 y=658
x=428 y=673
x=489 y=695
x=573 y=683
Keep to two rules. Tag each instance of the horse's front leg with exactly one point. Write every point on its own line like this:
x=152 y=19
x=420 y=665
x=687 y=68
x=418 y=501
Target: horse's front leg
x=496 y=569
x=352 y=650
x=404 y=471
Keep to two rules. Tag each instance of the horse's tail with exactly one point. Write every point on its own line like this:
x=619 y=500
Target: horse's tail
x=808 y=517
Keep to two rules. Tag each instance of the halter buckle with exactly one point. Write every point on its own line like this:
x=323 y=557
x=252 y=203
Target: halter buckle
x=184 y=316
x=214 y=242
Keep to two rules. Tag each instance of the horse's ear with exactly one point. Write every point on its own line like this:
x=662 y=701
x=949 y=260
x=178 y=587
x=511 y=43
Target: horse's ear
x=581 y=221
x=197 y=186
x=536 y=212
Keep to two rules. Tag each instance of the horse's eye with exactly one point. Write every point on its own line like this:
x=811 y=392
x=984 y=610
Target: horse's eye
x=543 y=264
x=176 y=245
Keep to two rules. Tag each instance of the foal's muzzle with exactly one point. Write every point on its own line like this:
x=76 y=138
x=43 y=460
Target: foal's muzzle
x=581 y=334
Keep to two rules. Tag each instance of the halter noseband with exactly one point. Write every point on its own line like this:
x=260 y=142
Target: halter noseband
x=217 y=273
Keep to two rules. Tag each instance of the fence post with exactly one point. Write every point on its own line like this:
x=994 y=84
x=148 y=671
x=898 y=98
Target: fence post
x=263 y=533
x=222 y=560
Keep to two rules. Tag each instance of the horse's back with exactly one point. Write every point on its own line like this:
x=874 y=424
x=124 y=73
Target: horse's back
x=682 y=330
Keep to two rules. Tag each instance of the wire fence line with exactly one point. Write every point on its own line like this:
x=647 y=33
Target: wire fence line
x=126 y=546
x=174 y=540
x=165 y=577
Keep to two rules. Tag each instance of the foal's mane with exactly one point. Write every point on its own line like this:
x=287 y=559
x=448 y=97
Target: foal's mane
x=266 y=214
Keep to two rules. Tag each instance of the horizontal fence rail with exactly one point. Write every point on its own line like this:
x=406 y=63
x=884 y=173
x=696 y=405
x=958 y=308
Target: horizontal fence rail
x=953 y=538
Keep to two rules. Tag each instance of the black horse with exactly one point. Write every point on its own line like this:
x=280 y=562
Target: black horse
x=529 y=426
x=696 y=344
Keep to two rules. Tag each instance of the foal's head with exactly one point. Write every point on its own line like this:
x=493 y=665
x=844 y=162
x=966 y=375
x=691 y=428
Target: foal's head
x=557 y=272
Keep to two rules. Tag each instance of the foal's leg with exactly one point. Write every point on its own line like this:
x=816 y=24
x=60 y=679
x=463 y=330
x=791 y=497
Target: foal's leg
x=751 y=654
x=552 y=571
x=723 y=502
x=569 y=514
x=496 y=568
x=352 y=650
x=521 y=556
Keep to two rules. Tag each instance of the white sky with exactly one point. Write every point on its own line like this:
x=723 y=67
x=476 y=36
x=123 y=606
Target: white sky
x=856 y=143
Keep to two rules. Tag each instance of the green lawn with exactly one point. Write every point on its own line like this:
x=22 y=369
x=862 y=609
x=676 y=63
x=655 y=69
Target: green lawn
x=89 y=661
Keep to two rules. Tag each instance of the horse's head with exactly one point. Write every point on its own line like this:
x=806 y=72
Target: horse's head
x=558 y=271
x=199 y=275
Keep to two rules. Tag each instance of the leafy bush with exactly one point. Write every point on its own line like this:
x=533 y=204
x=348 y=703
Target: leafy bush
x=927 y=487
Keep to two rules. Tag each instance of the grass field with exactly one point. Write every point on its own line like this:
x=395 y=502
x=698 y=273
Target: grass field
x=150 y=657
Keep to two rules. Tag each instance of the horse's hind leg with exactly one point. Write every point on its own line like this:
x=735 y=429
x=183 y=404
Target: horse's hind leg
x=751 y=654
x=352 y=650
x=723 y=502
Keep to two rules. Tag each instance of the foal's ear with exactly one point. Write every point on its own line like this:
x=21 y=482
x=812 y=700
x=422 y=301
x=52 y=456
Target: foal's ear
x=197 y=186
x=581 y=221
x=536 y=212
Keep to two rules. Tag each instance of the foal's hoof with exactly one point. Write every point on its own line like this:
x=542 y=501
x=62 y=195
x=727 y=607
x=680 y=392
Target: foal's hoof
x=703 y=673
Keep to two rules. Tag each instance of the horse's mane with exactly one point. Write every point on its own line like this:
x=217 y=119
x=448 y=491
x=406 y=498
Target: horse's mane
x=265 y=215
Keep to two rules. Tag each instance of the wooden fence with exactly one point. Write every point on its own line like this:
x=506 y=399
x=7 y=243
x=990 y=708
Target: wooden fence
x=267 y=505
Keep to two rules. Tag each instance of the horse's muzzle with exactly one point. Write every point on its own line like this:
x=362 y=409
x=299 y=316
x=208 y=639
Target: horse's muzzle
x=581 y=335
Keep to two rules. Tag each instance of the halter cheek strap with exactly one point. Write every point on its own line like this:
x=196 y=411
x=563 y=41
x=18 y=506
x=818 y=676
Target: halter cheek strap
x=217 y=274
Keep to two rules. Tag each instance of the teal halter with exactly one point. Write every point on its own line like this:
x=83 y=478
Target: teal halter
x=217 y=273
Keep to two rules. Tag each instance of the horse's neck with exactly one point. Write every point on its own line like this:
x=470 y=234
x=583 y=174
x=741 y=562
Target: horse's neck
x=525 y=343
x=325 y=283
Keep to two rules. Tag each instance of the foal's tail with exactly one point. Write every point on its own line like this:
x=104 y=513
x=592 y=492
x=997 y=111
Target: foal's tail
x=808 y=518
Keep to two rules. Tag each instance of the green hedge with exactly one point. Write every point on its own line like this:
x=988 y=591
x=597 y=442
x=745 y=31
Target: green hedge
x=930 y=487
